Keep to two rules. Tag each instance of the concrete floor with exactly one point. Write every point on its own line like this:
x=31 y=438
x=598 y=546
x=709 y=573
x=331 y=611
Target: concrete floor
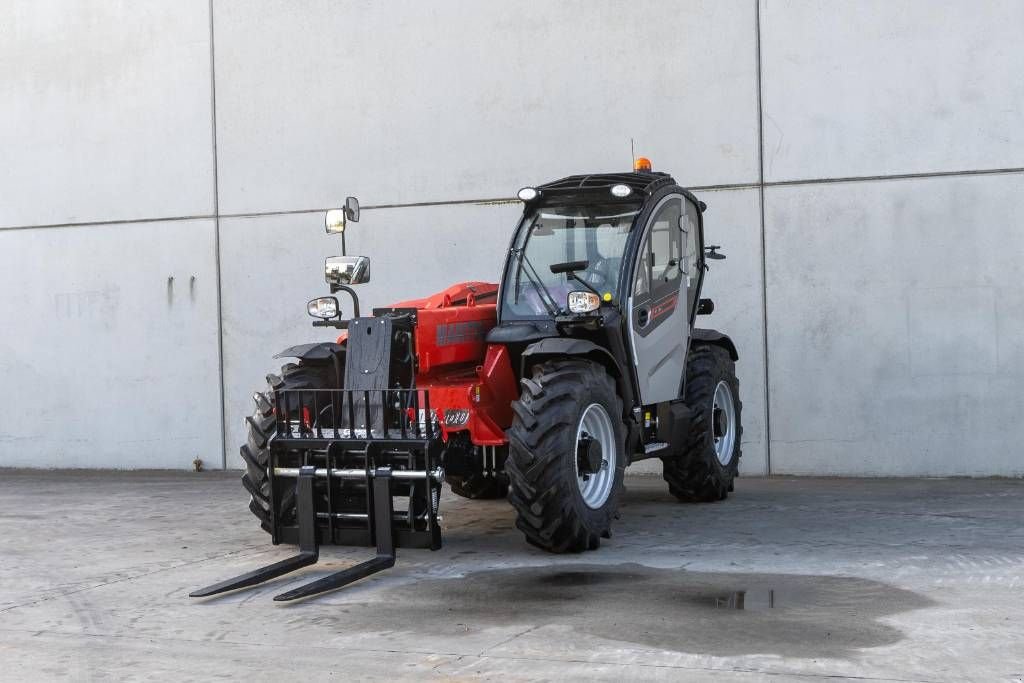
x=878 y=579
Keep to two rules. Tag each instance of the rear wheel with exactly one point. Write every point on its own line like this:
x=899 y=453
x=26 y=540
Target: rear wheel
x=706 y=468
x=255 y=452
x=566 y=456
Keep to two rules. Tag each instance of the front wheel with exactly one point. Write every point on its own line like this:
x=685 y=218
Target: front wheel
x=566 y=456
x=256 y=451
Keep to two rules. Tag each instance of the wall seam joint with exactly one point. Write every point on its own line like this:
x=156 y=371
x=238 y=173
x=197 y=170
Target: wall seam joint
x=512 y=200
x=764 y=267
x=216 y=249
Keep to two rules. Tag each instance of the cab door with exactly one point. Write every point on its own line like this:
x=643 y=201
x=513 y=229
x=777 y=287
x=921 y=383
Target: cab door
x=660 y=303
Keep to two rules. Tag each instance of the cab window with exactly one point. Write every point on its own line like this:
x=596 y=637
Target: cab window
x=660 y=261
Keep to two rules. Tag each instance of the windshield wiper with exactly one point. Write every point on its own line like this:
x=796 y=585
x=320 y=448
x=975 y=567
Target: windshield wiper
x=546 y=297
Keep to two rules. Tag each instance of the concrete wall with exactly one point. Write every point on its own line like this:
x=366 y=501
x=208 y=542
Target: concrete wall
x=863 y=164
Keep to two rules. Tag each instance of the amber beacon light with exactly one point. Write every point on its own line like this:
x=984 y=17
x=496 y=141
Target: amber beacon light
x=642 y=165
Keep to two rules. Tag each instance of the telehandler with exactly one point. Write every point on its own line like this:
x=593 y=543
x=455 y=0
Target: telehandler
x=543 y=388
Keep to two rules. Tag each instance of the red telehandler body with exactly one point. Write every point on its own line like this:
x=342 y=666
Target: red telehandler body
x=543 y=389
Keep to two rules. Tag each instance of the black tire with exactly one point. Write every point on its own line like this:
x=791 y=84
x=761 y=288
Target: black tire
x=479 y=487
x=543 y=484
x=696 y=475
x=261 y=428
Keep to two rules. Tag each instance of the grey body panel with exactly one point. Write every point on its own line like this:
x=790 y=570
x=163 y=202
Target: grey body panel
x=659 y=345
x=660 y=356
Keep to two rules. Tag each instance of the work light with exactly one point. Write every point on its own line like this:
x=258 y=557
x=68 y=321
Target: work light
x=334 y=221
x=583 y=302
x=325 y=307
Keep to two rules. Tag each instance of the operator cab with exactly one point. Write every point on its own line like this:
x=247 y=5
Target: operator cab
x=616 y=259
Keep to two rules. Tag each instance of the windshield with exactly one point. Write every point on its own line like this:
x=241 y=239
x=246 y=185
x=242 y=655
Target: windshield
x=592 y=234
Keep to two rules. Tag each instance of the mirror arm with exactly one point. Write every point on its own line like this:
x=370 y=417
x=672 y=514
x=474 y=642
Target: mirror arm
x=351 y=292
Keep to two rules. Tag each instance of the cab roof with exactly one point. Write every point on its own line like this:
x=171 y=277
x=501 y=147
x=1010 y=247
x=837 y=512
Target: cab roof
x=597 y=186
x=596 y=182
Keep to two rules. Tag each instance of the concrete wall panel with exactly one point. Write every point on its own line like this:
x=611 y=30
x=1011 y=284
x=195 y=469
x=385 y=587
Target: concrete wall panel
x=880 y=87
x=894 y=320
x=106 y=111
x=894 y=306
x=733 y=220
x=106 y=362
x=410 y=101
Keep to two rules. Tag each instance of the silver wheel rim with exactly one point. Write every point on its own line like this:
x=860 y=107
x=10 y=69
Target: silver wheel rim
x=724 y=409
x=596 y=488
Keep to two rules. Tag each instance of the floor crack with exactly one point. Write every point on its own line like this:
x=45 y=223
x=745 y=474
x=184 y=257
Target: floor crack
x=507 y=640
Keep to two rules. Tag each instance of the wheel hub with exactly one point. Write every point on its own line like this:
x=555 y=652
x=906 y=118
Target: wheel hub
x=589 y=456
x=596 y=455
x=718 y=422
x=723 y=422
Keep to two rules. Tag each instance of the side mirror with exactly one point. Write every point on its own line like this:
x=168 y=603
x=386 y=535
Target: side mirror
x=347 y=270
x=711 y=252
x=336 y=219
x=352 y=209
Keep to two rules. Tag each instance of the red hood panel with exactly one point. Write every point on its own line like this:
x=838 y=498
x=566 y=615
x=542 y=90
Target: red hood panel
x=456 y=295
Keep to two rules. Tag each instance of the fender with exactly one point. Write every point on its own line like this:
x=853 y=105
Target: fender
x=566 y=346
x=715 y=338
x=317 y=352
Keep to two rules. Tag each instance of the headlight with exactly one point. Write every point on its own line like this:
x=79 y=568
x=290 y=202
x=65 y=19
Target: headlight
x=527 y=194
x=621 y=190
x=325 y=307
x=583 y=302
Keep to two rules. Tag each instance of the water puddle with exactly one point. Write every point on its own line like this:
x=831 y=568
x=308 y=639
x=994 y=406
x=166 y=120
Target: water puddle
x=741 y=600
x=709 y=613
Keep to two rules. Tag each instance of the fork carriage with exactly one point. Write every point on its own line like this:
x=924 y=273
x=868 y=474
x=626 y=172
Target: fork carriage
x=328 y=430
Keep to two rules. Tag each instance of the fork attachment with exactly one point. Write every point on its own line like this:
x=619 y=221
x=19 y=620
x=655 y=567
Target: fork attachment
x=337 y=460
x=385 y=558
x=309 y=544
